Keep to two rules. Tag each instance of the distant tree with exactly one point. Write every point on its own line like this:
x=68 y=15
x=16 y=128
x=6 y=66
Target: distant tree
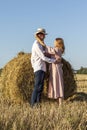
x=82 y=70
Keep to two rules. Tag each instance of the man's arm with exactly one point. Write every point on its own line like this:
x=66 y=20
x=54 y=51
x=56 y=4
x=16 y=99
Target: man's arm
x=41 y=54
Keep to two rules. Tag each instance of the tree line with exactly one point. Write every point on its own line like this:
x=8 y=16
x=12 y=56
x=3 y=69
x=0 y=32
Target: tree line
x=82 y=70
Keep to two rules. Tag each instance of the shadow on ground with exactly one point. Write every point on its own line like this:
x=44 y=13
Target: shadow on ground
x=79 y=96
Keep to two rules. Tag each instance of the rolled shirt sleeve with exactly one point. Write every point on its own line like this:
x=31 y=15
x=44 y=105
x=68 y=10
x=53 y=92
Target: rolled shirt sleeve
x=39 y=50
x=38 y=58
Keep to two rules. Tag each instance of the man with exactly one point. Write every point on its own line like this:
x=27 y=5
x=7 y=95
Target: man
x=38 y=60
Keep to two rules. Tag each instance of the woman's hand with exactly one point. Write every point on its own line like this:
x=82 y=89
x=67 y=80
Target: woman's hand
x=58 y=59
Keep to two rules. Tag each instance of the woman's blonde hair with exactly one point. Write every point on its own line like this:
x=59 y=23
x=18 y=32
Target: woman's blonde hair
x=59 y=42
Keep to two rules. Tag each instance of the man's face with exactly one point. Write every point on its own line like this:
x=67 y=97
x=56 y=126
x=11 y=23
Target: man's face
x=41 y=36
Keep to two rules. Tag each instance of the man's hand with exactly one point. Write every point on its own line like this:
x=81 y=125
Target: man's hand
x=47 y=54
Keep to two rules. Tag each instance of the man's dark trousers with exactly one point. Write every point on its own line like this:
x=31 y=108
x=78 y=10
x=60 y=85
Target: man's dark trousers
x=38 y=87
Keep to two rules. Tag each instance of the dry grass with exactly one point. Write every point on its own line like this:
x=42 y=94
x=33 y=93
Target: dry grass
x=17 y=79
x=81 y=81
x=81 y=77
x=72 y=115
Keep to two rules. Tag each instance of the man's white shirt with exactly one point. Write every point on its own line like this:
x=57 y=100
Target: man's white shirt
x=38 y=60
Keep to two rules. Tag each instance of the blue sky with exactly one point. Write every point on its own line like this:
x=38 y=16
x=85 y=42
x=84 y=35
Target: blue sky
x=19 y=19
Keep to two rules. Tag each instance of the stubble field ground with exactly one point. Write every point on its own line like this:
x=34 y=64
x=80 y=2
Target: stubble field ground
x=72 y=115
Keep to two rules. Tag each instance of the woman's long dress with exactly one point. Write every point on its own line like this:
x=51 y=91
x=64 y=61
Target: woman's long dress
x=56 y=85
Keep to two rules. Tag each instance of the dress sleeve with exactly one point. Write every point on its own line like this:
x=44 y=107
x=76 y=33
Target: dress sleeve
x=50 y=50
x=53 y=53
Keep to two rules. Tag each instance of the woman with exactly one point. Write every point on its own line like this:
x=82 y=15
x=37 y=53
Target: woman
x=56 y=85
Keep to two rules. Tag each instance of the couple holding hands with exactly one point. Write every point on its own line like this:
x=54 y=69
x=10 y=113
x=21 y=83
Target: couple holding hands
x=52 y=55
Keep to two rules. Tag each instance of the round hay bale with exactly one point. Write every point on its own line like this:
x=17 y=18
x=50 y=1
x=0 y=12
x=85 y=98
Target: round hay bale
x=70 y=86
x=17 y=79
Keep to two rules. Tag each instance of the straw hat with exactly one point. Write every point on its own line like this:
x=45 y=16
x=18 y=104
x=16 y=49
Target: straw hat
x=41 y=30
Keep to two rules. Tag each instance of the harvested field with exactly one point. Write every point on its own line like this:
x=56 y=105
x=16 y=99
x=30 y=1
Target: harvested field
x=81 y=81
x=72 y=115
